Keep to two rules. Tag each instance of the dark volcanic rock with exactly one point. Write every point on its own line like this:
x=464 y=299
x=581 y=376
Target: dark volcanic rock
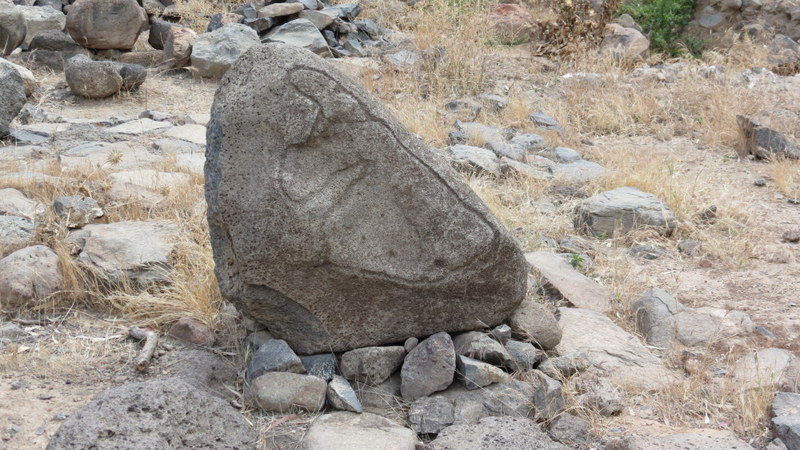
x=335 y=226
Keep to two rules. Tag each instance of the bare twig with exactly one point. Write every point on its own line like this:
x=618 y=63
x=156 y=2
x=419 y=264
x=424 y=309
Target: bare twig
x=150 y=338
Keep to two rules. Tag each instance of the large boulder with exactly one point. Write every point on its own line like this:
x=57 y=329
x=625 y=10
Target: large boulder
x=159 y=413
x=622 y=210
x=92 y=79
x=317 y=240
x=12 y=91
x=215 y=52
x=12 y=28
x=106 y=24
x=27 y=276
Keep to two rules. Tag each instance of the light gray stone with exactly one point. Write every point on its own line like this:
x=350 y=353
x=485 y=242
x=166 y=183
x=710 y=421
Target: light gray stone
x=280 y=9
x=570 y=430
x=763 y=142
x=475 y=159
x=215 y=52
x=127 y=251
x=28 y=79
x=580 y=171
x=151 y=179
x=429 y=415
x=560 y=278
x=501 y=333
x=106 y=24
x=382 y=398
x=768 y=367
x=495 y=432
x=12 y=91
x=566 y=155
x=341 y=396
x=610 y=348
x=153 y=414
x=284 y=392
x=543 y=121
x=524 y=355
x=428 y=368
x=565 y=366
x=300 y=33
x=528 y=142
x=77 y=210
x=477 y=374
x=108 y=156
x=547 y=394
x=622 y=210
x=15 y=231
x=509 y=167
x=348 y=431
x=29 y=276
x=480 y=346
x=490 y=138
x=41 y=18
x=705 y=439
x=372 y=365
x=337 y=258
x=598 y=394
x=15 y=203
x=12 y=28
x=195 y=134
x=274 y=356
x=535 y=322
x=508 y=398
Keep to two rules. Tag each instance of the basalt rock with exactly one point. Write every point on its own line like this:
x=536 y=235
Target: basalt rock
x=334 y=225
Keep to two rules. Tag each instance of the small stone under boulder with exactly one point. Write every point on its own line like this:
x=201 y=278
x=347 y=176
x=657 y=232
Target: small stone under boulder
x=429 y=367
x=153 y=414
x=316 y=240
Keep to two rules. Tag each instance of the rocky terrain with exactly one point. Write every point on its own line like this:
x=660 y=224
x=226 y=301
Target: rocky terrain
x=397 y=225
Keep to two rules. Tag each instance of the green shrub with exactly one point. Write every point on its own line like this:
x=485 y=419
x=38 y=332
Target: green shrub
x=663 y=21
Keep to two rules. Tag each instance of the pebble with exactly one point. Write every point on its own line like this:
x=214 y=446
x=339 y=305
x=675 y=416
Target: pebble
x=759 y=182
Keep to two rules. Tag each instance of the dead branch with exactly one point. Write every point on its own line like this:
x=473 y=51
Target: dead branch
x=150 y=339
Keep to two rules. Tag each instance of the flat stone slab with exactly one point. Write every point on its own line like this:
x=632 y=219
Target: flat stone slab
x=610 y=349
x=576 y=288
x=348 y=431
x=139 y=126
x=196 y=134
x=335 y=226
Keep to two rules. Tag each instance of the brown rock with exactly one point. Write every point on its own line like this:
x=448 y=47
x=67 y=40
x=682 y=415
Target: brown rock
x=178 y=47
x=512 y=24
x=192 y=331
x=622 y=43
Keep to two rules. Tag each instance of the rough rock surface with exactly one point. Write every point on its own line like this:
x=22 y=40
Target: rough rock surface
x=15 y=203
x=763 y=142
x=624 y=209
x=301 y=33
x=562 y=279
x=127 y=251
x=372 y=365
x=507 y=398
x=430 y=414
x=610 y=348
x=336 y=164
x=203 y=370
x=15 y=231
x=92 y=79
x=106 y=24
x=769 y=367
x=626 y=44
x=477 y=374
x=786 y=418
x=495 y=432
x=341 y=396
x=534 y=322
x=77 y=210
x=38 y=18
x=274 y=356
x=712 y=440
x=153 y=414
x=429 y=367
x=27 y=276
x=12 y=28
x=215 y=52
x=348 y=431
x=12 y=91
x=283 y=391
